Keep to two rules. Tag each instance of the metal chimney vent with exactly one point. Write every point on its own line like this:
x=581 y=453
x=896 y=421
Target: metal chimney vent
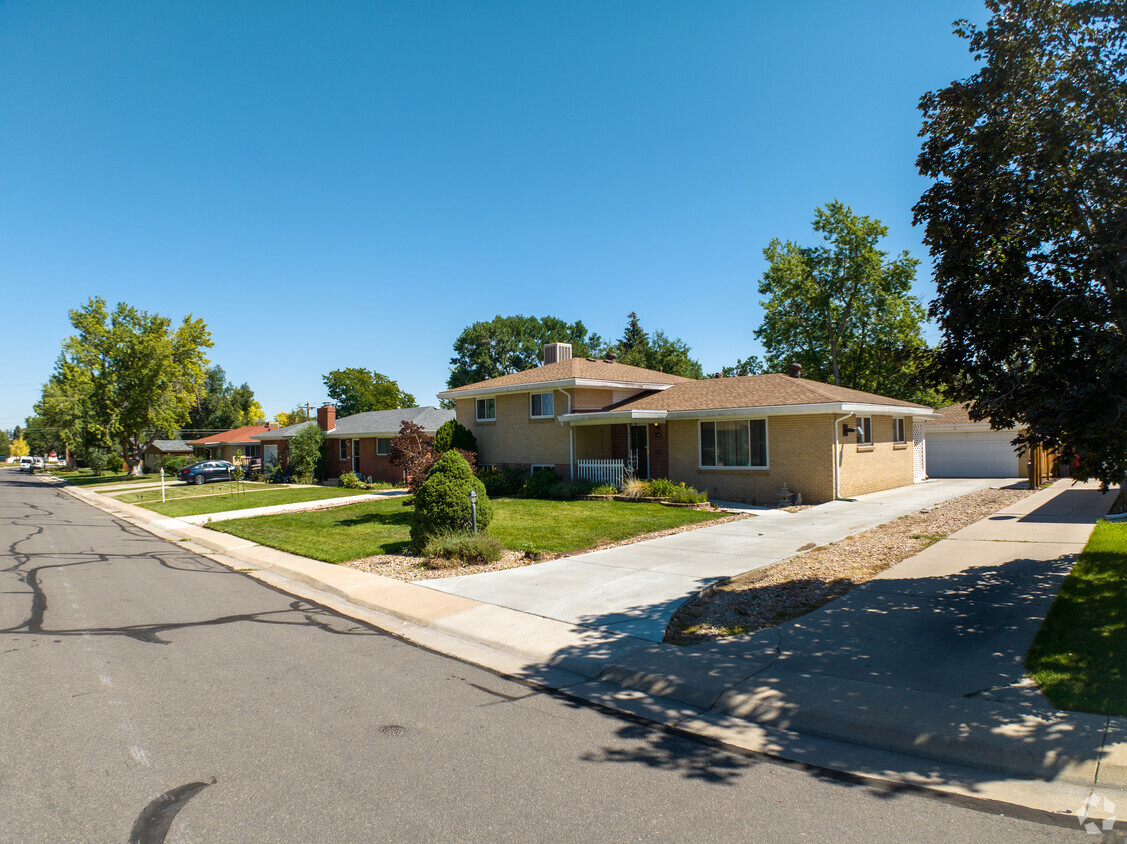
x=556 y=352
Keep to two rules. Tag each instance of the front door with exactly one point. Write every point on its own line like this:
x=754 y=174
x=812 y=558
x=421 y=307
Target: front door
x=355 y=456
x=640 y=451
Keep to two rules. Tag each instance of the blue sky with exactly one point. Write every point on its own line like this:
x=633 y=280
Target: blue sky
x=351 y=184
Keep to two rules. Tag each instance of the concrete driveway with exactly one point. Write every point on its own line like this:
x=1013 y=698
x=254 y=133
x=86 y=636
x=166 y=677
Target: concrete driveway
x=635 y=589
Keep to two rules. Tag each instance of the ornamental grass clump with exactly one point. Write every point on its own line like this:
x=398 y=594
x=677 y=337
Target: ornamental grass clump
x=474 y=549
x=442 y=504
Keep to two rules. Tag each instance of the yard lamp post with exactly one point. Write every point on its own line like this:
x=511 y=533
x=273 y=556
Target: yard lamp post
x=473 y=509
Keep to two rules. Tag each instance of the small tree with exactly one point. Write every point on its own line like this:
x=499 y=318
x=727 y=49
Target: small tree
x=19 y=447
x=305 y=453
x=453 y=434
x=412 y=451
x=442 y=504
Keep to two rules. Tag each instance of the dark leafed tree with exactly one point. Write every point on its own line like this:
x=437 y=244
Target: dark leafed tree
x=505 y=345
x=221 y=405
x=843 y=310
x=1027 y=223
x=356 y=390
x=656 y=351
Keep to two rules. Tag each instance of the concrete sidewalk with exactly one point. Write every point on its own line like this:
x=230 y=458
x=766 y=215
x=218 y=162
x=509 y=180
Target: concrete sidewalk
x=635 y=589
x=914 y=678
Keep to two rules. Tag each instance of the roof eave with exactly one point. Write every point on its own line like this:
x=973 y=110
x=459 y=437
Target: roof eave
x=486 y=391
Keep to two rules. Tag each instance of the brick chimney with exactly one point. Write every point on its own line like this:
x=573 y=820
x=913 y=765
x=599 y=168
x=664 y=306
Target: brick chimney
x=327 y=417
x=795 y=370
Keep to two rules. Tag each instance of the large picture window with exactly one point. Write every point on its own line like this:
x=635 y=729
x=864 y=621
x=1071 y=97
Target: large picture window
x=486 y=410
x=739 y=444
x=540 y=406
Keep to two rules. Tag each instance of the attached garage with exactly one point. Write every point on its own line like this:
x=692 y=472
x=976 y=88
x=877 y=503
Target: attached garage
x=971 y=454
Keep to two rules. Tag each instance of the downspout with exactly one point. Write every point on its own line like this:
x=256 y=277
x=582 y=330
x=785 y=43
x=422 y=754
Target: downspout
x=837 y=479
x=570 y=438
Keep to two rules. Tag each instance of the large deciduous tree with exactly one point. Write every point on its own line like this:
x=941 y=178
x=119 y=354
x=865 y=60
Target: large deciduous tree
x=221 y=405
x=1027 y=223
x=655 y=351
x=843 y=310
x=140 y=372
x=511 y=344
x=356 y=390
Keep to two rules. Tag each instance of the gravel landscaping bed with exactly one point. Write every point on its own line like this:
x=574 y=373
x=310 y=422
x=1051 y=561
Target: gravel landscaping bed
x=405 y=567
x=785 y=590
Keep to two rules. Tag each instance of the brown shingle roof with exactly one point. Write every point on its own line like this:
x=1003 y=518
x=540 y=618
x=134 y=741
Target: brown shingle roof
x=957 y=414
x=581 y=368
x=754 y=391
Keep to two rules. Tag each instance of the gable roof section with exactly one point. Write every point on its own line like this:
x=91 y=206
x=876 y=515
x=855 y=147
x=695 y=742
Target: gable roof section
x=236 y=436
x=388 y=422
x=570 y=373
x=773 y=393
x=956 y=417
x=169 y=446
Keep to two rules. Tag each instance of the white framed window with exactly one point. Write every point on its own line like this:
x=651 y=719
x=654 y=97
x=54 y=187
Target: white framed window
x=343 y=449
x=383 y=446
x=533 y=468
x=737 y=444
x=898 y=431
x=540 y=406
x=252 y=451
x=864 y=430
x=486 y=410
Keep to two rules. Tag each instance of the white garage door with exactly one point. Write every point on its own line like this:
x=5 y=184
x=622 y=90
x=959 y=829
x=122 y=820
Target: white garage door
x=971 y=454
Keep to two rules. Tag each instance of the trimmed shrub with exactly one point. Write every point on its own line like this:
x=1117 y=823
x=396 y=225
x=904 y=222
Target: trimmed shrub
x=442 y=504
x=467 y=547
x=501 y=480
x=174 y=464
x=569 y=490
x=540 y=483
x=604 y=489
x=660 y=488
x=114 y=462
x=349 y=481
x=453 y=434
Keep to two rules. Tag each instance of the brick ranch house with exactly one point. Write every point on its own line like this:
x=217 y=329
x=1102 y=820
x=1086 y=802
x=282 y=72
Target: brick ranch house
x=741 y=439
x=225 y=444
x=359 y=443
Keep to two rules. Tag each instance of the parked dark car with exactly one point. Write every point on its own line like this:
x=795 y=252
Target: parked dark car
x=207 y=470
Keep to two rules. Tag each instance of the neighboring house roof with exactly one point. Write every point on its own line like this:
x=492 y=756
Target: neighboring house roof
x=574 y=372
x=170 y=446
x=376 y=423
x=386 y=423
x=285 y=433
x=236 y=436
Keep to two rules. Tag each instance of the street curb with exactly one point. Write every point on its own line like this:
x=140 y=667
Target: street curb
x=645 y=679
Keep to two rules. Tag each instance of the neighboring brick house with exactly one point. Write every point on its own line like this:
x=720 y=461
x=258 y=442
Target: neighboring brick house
x=359 y=443
x=224 y=445
x=741 y=439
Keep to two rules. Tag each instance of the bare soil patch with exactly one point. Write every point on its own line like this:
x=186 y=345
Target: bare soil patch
x=793 y=587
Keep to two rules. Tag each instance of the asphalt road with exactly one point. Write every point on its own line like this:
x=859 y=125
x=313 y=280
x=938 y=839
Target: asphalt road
x=148 y=694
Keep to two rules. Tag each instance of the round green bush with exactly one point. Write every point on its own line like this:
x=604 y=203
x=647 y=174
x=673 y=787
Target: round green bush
x=453 y=434
x=442 y=504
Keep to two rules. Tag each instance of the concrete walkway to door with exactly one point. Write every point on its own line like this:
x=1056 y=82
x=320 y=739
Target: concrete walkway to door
x=635 y=589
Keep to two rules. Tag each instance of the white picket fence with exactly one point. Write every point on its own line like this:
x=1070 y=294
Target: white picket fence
x=602 y=471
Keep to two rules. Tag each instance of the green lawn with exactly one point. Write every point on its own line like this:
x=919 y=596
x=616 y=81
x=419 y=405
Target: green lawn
x=86 y=477
x=194 y=506
x=175 y=489
x=383 y=527
x=1079 y=658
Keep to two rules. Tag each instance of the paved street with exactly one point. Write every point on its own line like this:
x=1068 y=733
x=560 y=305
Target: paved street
x=149 y=694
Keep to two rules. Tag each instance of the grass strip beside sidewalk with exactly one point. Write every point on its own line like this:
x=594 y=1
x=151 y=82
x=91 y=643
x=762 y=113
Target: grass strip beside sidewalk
x=1079 y=657
x=202 y=504
x=383 y=527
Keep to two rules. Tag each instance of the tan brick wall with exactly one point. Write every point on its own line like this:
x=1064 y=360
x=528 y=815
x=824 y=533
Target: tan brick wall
x=587 y=398
x=514 y=438
x=592 y=442
x=799 y=450
x=883 y=465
